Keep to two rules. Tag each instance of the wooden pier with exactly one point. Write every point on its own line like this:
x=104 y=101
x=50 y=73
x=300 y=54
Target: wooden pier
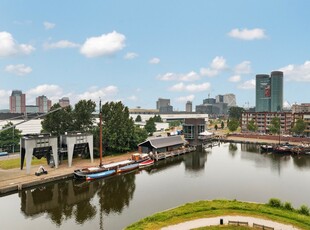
x=164 y=155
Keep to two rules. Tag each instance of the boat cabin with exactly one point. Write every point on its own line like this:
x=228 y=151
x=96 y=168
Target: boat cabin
x=162 y=144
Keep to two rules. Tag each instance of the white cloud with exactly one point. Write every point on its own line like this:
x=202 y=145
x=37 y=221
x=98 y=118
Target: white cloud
x=191 y=88
x=235 y=78
x=217 y=65
x=243 y=68
x=131 y=55
x=250 y=84
x=185 y=98
x=154 y=61
x=94 y=93
x=106 y=44
x=49 y=25
x=191 y=76
x=208 y=72
x=19 y=69
x=247 y=34
x=52 y=92
x=45 y=89
x=287 y=105
x=60 y=44
x=9 y=47
x=299 y=73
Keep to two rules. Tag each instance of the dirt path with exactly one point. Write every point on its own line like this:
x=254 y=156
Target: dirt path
x=216 y=221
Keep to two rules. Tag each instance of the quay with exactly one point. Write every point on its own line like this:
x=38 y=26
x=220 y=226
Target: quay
x=13 y=180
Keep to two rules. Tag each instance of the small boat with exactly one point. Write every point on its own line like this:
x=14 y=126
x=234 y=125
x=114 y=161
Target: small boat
x=146 y=163
x=82 y=173
x=266 y=148
x=98 y=175
x=128 y=168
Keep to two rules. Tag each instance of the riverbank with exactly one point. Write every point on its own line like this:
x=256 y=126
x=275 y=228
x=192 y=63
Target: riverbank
x=206 y=213
x=12 y=180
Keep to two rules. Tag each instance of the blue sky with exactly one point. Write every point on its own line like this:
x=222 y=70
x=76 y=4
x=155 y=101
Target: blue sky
x=139 y=51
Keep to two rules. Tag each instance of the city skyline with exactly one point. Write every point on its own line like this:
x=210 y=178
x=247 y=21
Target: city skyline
x=138 y=52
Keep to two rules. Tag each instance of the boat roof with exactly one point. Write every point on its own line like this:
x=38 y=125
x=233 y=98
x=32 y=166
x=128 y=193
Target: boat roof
x=118 y=163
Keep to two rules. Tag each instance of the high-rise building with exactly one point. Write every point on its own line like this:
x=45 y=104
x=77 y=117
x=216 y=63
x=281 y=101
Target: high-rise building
x=276 y=104
x=17 y=102
x=269 y=92
x=189 y=106
x=229 y=99
x=64 y=102
x=43 y=104
x=263 y=93
x=163 y=105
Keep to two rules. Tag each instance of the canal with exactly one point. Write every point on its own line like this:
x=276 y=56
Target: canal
x=230 y=171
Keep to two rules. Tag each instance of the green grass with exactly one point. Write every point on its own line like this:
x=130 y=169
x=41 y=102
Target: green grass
x=15 y=163
x=203 y=209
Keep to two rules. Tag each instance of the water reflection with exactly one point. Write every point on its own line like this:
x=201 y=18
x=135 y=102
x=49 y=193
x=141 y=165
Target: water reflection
x=232 y=149
x=116 y=193
x=60 y=201
x=73 y=199
x=195 y=161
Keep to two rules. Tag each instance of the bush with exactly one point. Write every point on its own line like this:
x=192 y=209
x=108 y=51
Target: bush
x=288 y=206
x=304 y=210
x=274 y=202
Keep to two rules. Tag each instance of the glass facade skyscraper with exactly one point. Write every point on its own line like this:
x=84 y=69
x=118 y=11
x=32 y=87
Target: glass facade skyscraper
x=276 y=91
x=262 y=93
x=269 y=92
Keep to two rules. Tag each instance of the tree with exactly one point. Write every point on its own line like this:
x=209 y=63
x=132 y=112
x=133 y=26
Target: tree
x=150 y=126
x=9 y=138
x=215 y=127
x=118 y=127
x=233 y=125
x=299 y=127
x=222 y=125
x=139 y=136
x=138 y=118
x=252 y=126
x=157 y=118
x=83 y=115
x=275 y=125
x=59 y=122
x=235 y=112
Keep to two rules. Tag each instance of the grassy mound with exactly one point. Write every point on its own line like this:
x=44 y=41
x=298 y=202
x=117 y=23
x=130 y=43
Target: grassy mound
x=204 y=209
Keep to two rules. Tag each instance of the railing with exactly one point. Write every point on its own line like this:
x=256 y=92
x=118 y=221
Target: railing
x=238 y=223
x=262 y=227
x=163 y=155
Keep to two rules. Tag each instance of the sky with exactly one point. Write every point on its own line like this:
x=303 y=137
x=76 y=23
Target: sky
x=137 y=51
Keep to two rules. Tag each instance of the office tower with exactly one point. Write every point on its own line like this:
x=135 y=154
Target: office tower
x=229 y=99
x=17 y=102
x=43 y=104
x=189 y=106
x=276 y=91
x=263 y=93
x=64 y=102
x=269 y=92
x=163 y=105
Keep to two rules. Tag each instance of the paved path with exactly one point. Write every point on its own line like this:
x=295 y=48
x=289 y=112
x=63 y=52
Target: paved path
x=216 y=221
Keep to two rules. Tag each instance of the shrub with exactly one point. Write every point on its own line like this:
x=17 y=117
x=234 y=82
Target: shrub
x=304 y=210
x=274 y=202
x=288 y=206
